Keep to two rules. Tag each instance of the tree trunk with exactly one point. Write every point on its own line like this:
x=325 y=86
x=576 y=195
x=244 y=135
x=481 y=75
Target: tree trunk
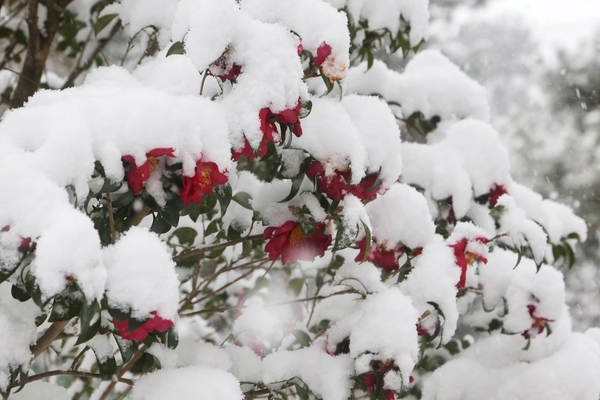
x=38 y=47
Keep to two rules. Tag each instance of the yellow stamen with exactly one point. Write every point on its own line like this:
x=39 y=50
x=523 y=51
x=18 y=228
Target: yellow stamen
x=205 y=177
x=152 y=163
x=297 y=237
x=471 y=258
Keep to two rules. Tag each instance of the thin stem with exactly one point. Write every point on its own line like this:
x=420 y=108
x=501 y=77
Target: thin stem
x=47 y=338
x=122 y=371
x=111 y=219
x=81 y=374
x=78 y=357
x=215 y=247
x=90 y=60
x=203 y=80
x=227 y=285
x=283 y=303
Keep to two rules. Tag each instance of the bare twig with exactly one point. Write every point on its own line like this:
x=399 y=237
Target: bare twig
x=111 y=219
x=47 y=338
x=215 y=247
x=81 y=374
x=80 y=68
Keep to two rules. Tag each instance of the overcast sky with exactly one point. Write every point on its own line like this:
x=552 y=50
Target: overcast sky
x=556 y=23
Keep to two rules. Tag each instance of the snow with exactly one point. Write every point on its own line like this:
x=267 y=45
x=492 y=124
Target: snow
x=207 y=27
x=520 y=230
x=70 y=249
x=430 y=84
x=363 y=277
x=567 y=373
x=139 y=14
x=331 y=137
x=17 y=333
x=141 y=275
x=102 y=347
x=327 y=376
x=41 y=390
x=436 y=260
x=315 y=22
x=188 y=383
x=401 y=217
x=381 y=328
x=379 y=135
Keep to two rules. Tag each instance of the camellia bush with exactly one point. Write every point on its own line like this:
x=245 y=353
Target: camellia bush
x=219 y=205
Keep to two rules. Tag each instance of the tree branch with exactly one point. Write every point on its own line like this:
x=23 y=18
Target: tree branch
x=80 y=68
x=47 y=338
x=81 y=374
x=215 y=247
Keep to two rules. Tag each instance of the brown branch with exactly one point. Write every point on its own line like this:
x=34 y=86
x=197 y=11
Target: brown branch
x=81 y=374
x=80 y=68
x=122 y=372
x=111 y=219
x=219 y=290
x=47 y=338
x=215 y=247
x=283 y=303
x=38 y=48
x=78 y=357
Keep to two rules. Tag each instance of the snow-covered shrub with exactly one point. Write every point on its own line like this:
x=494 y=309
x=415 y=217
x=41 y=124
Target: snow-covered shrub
x=236 y=216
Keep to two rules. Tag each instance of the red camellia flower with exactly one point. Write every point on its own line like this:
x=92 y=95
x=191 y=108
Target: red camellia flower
x=155 y=323
x=495 y=193
x=369 y=381
x=289 y=242
x=336 y=186
x=380 y=255
x=323 y=52
x=224 y=69
x=539 y=323
x=137 y=175
x=269 y=130
x=464 y=257
x=194 y=187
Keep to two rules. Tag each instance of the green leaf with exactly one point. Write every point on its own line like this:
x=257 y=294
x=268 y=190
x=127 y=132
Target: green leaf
x=90 y=321
x=213 y=227
x=19 y=293
x=103 y=22
x=107 y=367
x=124 y=200
x=305 y=109
x=296 y=183
x=303 y=393
x=296 y=285
x=224 y=195
x=176 y=48
x=328 y=83
x=208 y=204
x=66 y=305
x=302 y=337
x=135 y=323
x=109 y=186
x=367 y=241
x=497 y=211
x=243 y=199
x=172 y=339
x=159 y=225
x=125 y=348
x=6 y=273
x=185 y=235
x=345 y=237
x=307 y=224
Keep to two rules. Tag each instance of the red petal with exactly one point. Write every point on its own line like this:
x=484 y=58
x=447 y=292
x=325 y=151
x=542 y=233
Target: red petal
x=161 y=151
x=323 y=52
